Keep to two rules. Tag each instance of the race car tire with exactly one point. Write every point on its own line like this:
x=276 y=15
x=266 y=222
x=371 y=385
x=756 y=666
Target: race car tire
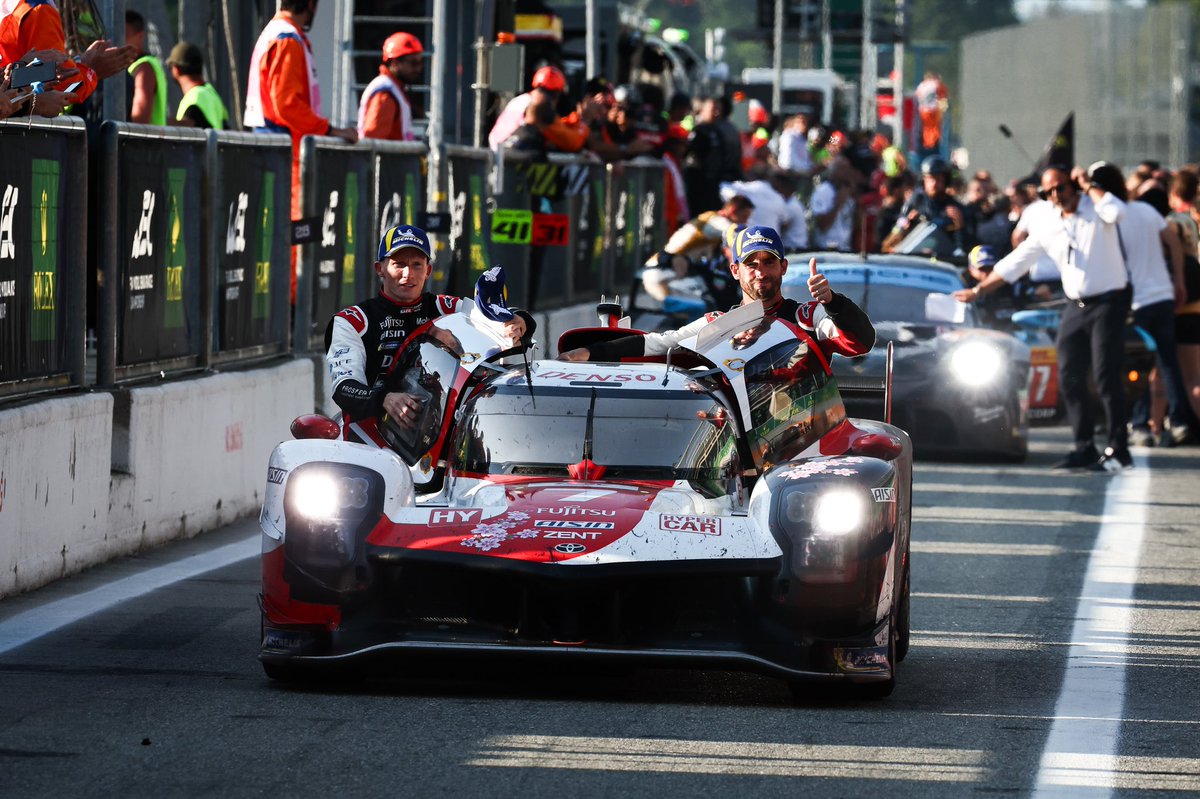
x=903 y=621
x=280 y=672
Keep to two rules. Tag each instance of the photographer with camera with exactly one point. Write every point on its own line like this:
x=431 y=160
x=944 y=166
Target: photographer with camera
x=1086 y=245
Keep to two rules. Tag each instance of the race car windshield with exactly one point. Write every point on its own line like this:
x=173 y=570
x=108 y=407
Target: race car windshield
x=793 y=401
x=635 y=435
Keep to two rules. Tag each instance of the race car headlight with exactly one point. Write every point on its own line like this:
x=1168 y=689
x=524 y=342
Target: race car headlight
x=839 y=512
x=326 y=495
x=976 y=363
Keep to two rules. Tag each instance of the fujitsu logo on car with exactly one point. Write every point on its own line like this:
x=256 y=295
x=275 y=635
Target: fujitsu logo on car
x=575 y=510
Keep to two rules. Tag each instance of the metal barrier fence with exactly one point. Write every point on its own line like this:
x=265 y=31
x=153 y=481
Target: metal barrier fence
x=334 y=269
x=251 y=237
x=43 y=289
x=154 y=220
x=194 y=257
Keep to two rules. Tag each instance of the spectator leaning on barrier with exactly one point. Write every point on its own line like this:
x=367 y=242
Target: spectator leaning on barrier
x=33 y=28
x=547 y=85
x=1145 y=235
x=702 y=236
x=363 y=340
x=147 y=103
x=1086 y=247
x=384 y=112
x=201 y=106
x=581 y=129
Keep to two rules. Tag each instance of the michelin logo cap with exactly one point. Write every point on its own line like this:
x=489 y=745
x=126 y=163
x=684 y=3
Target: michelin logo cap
x=758 y=238
x=399 y=237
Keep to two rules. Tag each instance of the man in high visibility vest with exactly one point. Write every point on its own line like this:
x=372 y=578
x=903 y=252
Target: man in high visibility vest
x=35 y=25
x=148 y=100
x=201 y=106
x=282 y=93
x=385 y=111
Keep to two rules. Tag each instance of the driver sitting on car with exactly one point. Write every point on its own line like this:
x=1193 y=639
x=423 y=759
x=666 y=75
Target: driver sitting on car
x=832 y=320
x=363 y=340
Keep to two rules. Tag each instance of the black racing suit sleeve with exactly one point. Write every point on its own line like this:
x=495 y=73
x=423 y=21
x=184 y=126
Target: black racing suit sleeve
x=358 y=401
x=618 y=348
x=851 y=319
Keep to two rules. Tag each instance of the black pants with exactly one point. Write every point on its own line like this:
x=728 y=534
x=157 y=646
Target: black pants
x=1094 y=336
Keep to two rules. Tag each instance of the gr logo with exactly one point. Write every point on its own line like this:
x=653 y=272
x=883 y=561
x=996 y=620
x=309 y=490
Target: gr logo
x=329 y=221
x=235 y=231
x=143 y=245
x=390 y=216
x=12 y=195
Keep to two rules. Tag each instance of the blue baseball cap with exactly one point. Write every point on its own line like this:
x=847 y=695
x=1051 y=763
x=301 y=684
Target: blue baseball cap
x=491 y=295
x=400 y=237
x=758 y=238
x=982 y=257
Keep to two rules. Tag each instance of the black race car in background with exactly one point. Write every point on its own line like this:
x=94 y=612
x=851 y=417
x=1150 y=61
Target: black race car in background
x=958 y=387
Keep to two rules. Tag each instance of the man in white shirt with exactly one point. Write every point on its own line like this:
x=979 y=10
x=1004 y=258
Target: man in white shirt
x=775 y=206
x=1086 y=247
x=1145 y=236
x=1036 y=213
x=833 y=206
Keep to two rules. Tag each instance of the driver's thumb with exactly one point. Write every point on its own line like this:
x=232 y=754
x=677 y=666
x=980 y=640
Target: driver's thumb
x=812 y=266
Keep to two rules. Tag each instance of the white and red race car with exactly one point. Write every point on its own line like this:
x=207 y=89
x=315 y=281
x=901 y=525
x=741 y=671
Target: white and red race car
x=713 y=507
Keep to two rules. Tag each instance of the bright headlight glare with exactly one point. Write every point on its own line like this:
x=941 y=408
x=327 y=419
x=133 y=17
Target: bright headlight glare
x=316 y=495
x=839 y=512
x=976 y=363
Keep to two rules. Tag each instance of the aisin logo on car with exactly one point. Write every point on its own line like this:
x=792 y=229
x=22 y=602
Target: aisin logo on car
x=570 y=549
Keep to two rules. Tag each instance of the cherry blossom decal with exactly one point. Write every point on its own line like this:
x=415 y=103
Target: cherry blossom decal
x=841 y=467
x=487 y=536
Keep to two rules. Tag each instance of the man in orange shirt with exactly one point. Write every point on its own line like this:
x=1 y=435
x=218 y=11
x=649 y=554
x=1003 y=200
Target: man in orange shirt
x=385 y=111
x=33 y=25
x=282 y=93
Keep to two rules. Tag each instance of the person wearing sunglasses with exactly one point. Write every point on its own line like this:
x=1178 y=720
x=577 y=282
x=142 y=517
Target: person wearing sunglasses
x=1086 y=246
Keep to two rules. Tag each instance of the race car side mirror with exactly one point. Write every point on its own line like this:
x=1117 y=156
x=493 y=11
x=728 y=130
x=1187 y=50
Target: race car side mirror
x=315 y=425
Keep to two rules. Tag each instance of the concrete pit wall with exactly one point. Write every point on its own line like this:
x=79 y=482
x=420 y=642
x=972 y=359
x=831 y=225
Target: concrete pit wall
x=88 y=478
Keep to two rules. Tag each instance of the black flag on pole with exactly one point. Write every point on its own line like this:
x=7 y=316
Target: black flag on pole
x=1060 y=151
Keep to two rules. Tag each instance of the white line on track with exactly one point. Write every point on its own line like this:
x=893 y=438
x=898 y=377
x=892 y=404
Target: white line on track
x=1080 y=756
x=32 y=624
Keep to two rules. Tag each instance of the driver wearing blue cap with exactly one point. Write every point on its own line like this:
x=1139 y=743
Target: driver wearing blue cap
x=362 y=341
x=831 y=319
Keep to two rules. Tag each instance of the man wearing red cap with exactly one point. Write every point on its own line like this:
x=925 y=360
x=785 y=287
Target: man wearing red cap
x=384 y=111
x=548 y=85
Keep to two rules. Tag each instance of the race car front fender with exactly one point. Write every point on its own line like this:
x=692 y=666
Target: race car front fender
x=842 y=525
x=322 y=499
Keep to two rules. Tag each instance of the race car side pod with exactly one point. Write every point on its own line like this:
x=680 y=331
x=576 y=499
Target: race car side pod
x=887 y=386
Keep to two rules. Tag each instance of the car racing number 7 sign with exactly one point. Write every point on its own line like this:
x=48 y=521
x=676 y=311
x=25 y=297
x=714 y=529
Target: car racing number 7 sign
x=515 y=226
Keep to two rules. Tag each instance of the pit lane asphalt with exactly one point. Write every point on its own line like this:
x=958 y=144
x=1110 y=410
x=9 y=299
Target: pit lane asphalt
x=161 y=695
